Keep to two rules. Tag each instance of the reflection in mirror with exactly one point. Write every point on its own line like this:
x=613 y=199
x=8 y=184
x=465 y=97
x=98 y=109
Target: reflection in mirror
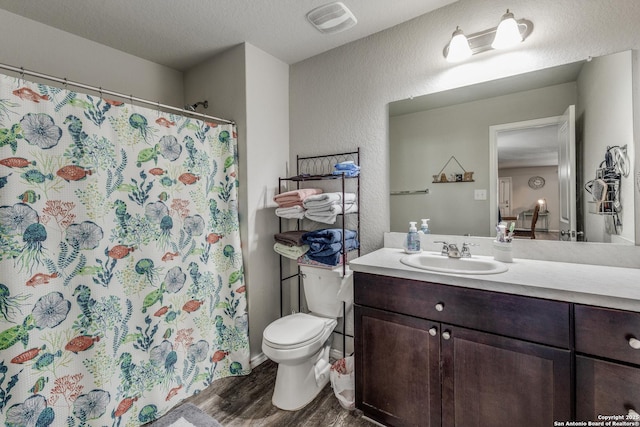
x=527 y=155
x=426 y=131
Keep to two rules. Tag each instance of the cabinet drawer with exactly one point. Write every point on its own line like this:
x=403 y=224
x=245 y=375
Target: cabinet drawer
x=608 y=333
x=605 y=388
x=515 y=316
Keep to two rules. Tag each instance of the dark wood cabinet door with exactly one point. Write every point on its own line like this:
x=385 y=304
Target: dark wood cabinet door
x=397 y=368
x=489 y=380
x=605 y=388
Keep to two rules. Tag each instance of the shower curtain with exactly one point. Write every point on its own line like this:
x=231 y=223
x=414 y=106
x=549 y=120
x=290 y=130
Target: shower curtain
x=121 y=279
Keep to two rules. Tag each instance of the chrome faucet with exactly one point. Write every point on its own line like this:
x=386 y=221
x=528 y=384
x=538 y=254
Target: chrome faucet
x=466 y=252
x=449 y=249
x=445 y=247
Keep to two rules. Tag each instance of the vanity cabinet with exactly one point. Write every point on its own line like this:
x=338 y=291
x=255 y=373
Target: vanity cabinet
x=607 y=362
x=398 y=356
x=437 y=355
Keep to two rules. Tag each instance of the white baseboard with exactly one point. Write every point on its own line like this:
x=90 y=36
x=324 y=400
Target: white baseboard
x=257 y=360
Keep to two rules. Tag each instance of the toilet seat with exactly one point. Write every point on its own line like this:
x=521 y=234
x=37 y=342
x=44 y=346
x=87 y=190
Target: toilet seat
x=295 y=330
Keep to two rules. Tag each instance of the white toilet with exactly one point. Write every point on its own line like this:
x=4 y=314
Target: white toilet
x=300 y=342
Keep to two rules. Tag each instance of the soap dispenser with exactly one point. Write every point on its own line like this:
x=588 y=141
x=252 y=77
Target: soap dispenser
x=424 y=228
x=412 y=243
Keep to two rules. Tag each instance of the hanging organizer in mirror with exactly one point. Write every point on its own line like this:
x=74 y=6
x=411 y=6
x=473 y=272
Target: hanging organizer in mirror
x=605 y=188
x=458 y=175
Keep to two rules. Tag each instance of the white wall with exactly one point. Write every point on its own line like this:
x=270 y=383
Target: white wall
x=37 y=47
x=266 y=160
x=606 y=93
x=524 y=198
x=339 y=99
x=251 y=87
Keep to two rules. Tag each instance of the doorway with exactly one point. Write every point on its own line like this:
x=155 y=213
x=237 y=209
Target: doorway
x=527 y=152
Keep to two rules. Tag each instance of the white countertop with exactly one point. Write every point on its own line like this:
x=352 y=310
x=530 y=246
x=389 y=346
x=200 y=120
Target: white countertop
x=614 y=287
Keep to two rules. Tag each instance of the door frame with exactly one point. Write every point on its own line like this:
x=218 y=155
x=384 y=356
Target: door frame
x=494 y=130
x=510 y=195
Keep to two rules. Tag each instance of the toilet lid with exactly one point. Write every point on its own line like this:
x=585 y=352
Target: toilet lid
x=294 y=329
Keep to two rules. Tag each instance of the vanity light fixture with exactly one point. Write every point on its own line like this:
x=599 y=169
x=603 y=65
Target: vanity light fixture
x=458 y=47
x=508 y=33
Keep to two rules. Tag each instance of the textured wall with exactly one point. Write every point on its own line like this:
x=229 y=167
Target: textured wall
x=37 y=47
x=338 y=100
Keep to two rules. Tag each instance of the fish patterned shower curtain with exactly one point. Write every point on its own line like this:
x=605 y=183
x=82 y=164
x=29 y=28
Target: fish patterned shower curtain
x=121 y=279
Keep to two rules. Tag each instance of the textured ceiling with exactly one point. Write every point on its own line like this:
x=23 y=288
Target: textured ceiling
x=183 y=33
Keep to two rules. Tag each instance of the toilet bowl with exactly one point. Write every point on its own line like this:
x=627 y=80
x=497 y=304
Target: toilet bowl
x=300 y=343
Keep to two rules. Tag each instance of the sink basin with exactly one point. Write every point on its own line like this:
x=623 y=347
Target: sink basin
x=442 y=264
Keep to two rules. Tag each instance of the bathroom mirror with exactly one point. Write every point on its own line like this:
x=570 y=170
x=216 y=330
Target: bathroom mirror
x=425 y=131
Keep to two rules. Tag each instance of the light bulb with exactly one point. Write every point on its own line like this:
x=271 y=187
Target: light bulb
x=508 y=33
x=458 y=47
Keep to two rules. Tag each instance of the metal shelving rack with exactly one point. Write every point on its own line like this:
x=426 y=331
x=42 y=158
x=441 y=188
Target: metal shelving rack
x=312 y=169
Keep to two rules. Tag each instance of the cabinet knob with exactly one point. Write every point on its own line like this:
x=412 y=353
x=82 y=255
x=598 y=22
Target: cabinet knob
x=634 y=343
x=433 y=331
x=439 y=306
x=446 y=335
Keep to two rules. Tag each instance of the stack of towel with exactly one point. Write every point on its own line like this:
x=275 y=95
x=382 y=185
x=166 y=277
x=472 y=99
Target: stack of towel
x=290 y=202
x=347 y=168
x=290 y=244
x=325 y=246
x=326 y=207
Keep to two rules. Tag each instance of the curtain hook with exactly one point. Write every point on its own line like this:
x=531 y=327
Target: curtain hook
x=100 y=92
x=66 y=83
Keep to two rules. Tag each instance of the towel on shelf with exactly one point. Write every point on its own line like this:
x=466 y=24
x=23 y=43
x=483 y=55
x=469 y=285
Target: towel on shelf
x=324 y=262
x=292 y=212
x=294 y=197
x=347 y=168
x=290 y=238
x=327 y=235
x=330 y=214
x=332 y=248
x=348 y=165
x=350 y=174
x=292 y=252
x=325 y=200
x=325 y=246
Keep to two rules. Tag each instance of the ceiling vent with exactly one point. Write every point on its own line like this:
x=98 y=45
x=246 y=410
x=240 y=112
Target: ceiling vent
x=332 y=18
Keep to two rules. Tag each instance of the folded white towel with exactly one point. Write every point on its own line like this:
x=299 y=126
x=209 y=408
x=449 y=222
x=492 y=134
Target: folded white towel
x=291 y=252
x=291 y=212
x=327 y=199
x=329 y=214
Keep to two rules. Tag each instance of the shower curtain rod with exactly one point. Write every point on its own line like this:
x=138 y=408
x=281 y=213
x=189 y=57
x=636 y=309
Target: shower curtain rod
x=100 y=90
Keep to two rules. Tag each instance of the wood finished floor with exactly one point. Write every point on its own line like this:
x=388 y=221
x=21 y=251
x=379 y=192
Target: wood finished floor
x=246 y=401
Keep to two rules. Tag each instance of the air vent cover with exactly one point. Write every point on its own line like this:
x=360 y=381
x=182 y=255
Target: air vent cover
x=332 y=18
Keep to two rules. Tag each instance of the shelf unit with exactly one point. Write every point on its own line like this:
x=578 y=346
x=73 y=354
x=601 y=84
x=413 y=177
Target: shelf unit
x=314 y=169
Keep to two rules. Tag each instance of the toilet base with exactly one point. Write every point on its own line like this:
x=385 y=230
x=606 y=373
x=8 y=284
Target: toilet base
x=296 y=385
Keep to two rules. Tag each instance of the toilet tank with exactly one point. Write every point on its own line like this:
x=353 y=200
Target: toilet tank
x=321 y=286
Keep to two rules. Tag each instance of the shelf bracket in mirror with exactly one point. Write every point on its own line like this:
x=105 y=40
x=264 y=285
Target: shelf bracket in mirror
x=409 y=192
